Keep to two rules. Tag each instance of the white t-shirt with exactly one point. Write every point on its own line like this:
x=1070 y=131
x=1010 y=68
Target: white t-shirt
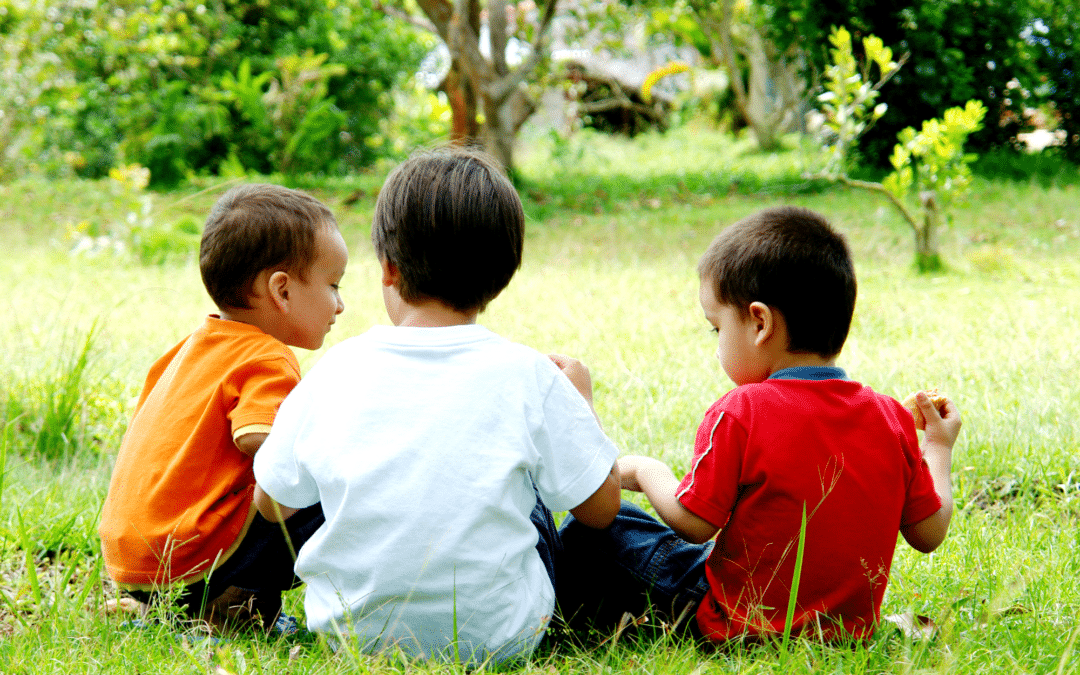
x=423 y=445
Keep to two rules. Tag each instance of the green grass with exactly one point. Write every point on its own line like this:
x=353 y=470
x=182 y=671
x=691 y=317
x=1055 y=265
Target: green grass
x=608 y=277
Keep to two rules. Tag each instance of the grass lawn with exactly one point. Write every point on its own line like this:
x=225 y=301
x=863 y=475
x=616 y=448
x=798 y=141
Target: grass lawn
x=608 y=277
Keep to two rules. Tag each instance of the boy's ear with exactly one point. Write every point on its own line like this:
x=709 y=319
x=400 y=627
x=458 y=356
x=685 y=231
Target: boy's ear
x=763 y=321
x=391 y=275
x=278 y=287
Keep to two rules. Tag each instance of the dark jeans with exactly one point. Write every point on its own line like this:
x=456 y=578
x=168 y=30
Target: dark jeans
x=262 y=566
x=636 y=564
x=548 y=545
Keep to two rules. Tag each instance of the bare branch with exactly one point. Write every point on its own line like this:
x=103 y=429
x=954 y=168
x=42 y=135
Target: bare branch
x=464 y=45
x=881 y=189
x=497 y=31
x=500 y=90
x=430 y=8
x=885 y=77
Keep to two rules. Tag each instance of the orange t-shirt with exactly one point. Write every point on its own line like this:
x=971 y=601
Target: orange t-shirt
x=181 y=491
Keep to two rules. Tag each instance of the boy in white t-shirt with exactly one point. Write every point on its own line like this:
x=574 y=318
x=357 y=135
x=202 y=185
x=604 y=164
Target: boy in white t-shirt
x=435 y=446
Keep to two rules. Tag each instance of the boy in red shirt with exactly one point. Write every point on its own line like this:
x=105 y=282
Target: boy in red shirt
x=779 y=289
x=180 y=508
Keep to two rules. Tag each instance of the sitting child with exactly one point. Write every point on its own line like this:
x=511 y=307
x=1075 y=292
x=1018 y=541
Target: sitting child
x=794 y=435
x=180 y=506
x=435 y=446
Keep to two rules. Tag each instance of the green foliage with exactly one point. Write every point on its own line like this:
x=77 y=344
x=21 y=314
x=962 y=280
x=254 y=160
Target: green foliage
x=959 y=50
x=930 y=167
x=119 y=82
x=1054 y=38
x=47 y=411
x=933 y=160
x=848 y=102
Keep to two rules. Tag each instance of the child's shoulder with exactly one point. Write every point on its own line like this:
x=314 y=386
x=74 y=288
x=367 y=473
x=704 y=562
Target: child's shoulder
x=807 y=397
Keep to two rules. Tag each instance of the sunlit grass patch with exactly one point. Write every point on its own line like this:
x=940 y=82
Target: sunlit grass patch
x=609 y=278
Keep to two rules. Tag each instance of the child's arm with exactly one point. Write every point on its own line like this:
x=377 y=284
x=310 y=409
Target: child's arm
x=603 y=505
x=579 y=376
x=249 y=444
x=655 y=479
x=270 y=509
x=941 y=432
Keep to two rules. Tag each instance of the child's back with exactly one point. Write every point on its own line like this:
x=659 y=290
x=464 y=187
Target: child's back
x=768 y=450
x=795 y=434
x=180 y=505
x=436 y=447
x=424 y=444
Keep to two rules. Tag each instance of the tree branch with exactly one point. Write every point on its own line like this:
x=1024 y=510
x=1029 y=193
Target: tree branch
x=499 y=90
x=880 y=189
x=437 y=12
x=497 y=30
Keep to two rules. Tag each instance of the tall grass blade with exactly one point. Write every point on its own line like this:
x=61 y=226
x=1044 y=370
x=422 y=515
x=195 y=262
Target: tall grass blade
x=62 y=400
x=794 y=595
x=92 y=582
x=3 y=455
x=31 y=568
x=14 y=610
x=1067 y=653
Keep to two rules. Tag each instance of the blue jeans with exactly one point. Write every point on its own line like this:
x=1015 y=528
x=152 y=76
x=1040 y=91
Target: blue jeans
x=548 y=545
x=637 y=564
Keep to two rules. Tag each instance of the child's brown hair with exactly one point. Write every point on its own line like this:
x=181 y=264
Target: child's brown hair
x=453 y=226
x=792 y=260
x=256 y=227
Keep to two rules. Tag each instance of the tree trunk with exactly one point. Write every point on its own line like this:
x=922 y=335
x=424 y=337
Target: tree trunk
x=927 y=257
x=768 y=113
x=486 y=82
x=461 y=97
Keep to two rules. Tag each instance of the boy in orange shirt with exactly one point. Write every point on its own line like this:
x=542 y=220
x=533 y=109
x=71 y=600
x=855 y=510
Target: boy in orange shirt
x=179 y=508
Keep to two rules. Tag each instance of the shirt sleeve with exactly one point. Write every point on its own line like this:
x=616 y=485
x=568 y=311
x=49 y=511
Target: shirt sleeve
x=922 y=499
x=710 y=488
x=257 y=389
x=575 y=454
x=277 y=469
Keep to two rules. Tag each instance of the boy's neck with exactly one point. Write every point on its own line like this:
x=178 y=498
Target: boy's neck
x=252 y=317
x=429 y=313
x=788 y=359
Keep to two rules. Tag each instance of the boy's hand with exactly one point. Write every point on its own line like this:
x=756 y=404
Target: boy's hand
x=655 y=479
x=940 y=435
x=577 y=373
x=940 y=430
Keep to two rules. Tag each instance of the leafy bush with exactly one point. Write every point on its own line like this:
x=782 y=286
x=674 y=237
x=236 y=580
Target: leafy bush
x=157 y=83
x=959 y=50
x=61 y=410
x=930 y=166
x=1055 y=41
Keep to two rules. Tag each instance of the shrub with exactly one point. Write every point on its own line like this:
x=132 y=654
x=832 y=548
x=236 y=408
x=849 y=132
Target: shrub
x=959 y=50
x=119 y=81
x=1055 y=41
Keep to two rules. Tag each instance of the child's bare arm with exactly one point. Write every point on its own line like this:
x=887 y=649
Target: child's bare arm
x=579 y=376
x=655 y=479
x=249 y=444
x=270 y=509
x=941 y=432
x=603 y=505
